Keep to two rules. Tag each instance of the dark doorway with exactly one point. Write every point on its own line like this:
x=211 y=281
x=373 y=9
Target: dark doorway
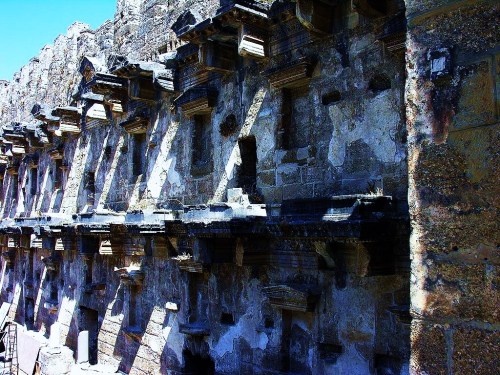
x=89 y=320
x=247 y=174
x=197 y=365
x=29 y=313
x=139 y=154
x=294 y=344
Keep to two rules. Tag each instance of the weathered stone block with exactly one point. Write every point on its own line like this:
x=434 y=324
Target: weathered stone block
x=428 y=349
x=475 y=351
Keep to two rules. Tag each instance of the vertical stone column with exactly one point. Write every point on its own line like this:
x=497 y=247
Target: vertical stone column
x=452 y=119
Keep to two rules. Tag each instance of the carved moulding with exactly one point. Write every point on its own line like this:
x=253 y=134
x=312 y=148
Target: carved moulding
x=197 y=100
x=69 y=119
x=136 y=124
x=290 y=298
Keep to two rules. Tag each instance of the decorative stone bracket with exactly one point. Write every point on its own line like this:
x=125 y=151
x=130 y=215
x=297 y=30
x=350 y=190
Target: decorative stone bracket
x=291 y=298
x=198 y=100
x=136 y=124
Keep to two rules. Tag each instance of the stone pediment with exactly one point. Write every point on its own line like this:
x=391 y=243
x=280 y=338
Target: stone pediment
x=291 y=298
x=197 y=100
x=293 y=74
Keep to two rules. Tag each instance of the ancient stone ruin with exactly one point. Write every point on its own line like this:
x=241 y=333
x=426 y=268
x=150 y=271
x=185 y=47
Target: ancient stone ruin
x=257 y=187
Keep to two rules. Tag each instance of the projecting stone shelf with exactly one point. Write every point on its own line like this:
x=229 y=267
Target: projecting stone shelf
x=294 y=74
x=110 y=85
x=165 y=80
x=198 y=100
x=252 y=6
x=195 y=329
x=339 y=208
x=44 y=113
x=111 y=246
x=56 y=153
x=252 y=42
x=137 y=124
x=69 y=119
x=289 y=298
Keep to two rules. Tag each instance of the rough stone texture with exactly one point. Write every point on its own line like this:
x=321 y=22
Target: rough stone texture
x=453 y=158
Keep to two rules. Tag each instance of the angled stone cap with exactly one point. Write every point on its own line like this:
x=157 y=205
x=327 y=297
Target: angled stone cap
x=291 y=298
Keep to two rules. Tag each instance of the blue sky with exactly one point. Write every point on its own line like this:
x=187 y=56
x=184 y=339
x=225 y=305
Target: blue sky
x=28 y=25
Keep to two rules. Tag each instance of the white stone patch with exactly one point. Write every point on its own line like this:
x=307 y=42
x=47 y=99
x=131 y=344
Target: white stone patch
x=245 y=329
x=377 y=128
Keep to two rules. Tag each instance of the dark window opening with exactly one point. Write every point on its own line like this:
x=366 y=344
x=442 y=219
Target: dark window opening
x=196 y=364
x=198 y=301
x=201 y=145
x=29 y=313
x=58 y=174
x=89 y=262
x=133 y=313
x=387 y=365
x=220 y=250
x=139 y=154
x=228 y=126
x=331 y=97
x=247 y=173
x=330 y=352
x=286 y=327
x=54 y=292
x=227 y=318
x=268 y=323
x=15 y=187
x=295 y=118
x=90 y=187
x=33 y=181
x=379 y=82
x=89 y=320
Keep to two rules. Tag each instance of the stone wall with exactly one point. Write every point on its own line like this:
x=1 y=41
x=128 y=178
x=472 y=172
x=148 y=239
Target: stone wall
x=268 y=231
x=452 y=110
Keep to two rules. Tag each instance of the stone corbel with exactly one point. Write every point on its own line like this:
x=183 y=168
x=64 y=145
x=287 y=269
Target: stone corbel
x=217 y=56
x=197 y=100
x=69 y=119
x=291 y=298
x=252 y=42
x=136 y=124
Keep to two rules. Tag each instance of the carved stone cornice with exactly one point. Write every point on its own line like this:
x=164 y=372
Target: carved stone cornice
x=291 y=298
